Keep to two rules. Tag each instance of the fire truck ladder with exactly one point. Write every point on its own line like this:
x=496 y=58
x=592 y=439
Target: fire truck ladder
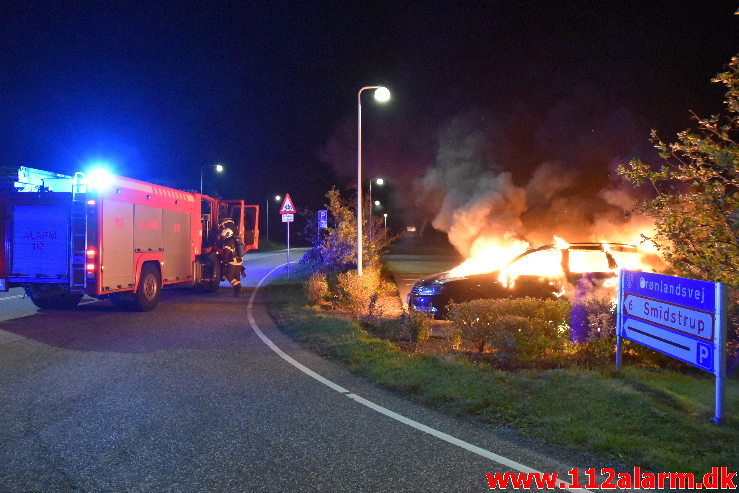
x=78 y=237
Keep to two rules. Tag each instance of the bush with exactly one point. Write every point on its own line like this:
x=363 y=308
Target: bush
x=316 y=288
x=519 y=330
x=593 y=323
x=418 y=325
x=355 y=292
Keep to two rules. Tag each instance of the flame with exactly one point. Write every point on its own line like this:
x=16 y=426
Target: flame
x=493 y=254
x=489 y=255
x=560 y=243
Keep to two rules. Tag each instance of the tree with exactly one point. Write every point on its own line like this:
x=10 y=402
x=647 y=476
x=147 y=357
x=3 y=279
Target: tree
x=335 y=248
x=696 y=192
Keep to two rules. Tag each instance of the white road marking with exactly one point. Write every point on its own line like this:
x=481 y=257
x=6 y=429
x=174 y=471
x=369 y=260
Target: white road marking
x=11 y=297
x=505 y=461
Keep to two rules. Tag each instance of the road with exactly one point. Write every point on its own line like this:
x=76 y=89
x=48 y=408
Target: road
x=407 y=269
x=190 y=397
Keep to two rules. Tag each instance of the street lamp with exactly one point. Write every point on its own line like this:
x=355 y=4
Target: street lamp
x=266 y=232
x=382 y=94
x=218 y=167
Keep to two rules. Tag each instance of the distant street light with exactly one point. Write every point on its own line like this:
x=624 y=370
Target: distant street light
x=266 y=223
x=380 y=182
x=385 y=217
x=218 y=167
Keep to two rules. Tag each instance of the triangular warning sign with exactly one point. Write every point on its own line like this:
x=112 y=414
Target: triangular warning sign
x=287 y=206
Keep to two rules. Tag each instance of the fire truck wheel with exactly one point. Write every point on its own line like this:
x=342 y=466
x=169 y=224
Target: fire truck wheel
x=150 y=286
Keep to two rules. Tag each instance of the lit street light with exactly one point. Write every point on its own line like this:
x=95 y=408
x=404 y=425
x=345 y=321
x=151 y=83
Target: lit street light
x=218 y=167
x=382 y=94
x=380 y=182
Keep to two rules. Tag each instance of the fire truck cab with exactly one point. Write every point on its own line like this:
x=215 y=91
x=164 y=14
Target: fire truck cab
x=111 y=237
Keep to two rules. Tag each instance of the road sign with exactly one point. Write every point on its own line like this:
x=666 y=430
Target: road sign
x=671 y=316
x=287 y=206
x=322 y=219
x=288 y=218
x=685 y=348
x=679 y=317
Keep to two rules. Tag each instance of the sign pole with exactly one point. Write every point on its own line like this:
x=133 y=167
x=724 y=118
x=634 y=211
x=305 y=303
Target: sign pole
x=719 y=352
x=288 y=215
x=618 y=318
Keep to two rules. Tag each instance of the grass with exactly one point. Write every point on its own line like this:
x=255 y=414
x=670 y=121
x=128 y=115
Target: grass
x=653 y=418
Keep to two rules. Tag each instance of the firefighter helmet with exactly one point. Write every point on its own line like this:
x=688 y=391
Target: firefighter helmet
x=227 y=222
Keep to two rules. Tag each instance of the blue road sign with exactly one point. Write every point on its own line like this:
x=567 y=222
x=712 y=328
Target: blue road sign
x=679 y=346
x=691 y=293
x=682 y=318
x=322 y=219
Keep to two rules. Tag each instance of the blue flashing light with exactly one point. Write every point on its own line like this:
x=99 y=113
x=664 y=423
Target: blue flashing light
x=99 y=178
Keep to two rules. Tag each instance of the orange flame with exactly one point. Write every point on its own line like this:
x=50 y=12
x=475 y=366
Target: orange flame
x=493 y=254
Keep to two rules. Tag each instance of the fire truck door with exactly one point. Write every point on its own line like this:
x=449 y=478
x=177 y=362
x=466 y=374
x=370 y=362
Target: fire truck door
x=251 y=227
x=177 y=246
x=117 y=269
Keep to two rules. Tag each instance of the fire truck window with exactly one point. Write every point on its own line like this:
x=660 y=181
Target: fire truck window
x=234 y=212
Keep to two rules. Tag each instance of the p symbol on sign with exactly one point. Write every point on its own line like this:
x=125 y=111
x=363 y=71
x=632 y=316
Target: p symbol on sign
x=705 y=356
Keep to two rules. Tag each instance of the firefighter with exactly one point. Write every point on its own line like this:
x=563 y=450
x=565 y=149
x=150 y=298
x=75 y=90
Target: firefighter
x=231 y=254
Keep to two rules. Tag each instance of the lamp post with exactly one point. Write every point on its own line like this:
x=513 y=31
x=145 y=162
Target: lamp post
x=382 y=94
x=218 y=167
x=266 y=233
x=384 y=231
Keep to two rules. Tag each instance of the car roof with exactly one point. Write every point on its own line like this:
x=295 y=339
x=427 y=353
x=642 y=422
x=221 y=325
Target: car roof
x=619 y=247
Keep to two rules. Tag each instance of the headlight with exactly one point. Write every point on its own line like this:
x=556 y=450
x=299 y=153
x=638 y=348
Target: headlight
x=430 y=289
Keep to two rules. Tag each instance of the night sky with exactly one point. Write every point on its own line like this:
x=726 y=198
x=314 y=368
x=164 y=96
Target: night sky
x=269 y=89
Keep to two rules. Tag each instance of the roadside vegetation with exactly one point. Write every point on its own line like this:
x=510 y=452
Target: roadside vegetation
x=546 y=367
x=644 y=415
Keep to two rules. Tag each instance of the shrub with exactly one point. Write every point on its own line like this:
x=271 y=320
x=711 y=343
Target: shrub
x=472 y=321
x=418 y=325
x=593 y=323
x=316 y=288
x=355 y=292
x=520 y=330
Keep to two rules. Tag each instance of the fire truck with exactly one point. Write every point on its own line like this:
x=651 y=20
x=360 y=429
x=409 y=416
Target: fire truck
x=107 y=236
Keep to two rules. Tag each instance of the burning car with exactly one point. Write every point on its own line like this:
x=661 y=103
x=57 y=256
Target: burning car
x=549 y=271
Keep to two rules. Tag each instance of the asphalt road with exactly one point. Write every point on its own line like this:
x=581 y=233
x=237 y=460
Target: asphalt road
x=189 y=398
x=407 y=269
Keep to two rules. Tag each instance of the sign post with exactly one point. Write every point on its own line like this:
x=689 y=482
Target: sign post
x=682 y=318
x=288 y=215
x=322 y=219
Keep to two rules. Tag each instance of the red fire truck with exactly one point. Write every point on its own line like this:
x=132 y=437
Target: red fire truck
x=110 y=237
